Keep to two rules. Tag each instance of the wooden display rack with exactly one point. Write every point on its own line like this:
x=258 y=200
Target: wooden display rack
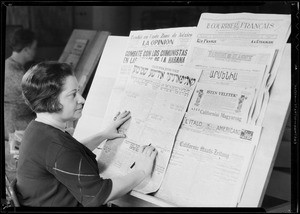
x=91 y=54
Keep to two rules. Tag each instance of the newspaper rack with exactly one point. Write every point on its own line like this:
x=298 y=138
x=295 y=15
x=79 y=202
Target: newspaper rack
x=274 y=122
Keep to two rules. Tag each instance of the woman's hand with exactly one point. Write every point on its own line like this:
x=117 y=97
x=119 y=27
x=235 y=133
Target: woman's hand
x=145 y=159
x=111 y=132
x=142 y=169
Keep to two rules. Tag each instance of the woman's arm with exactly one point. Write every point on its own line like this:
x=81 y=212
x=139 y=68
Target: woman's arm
x=94 y=141
x=111 y=132
x=142 y=169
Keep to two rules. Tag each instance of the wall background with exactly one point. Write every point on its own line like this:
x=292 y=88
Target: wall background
x=54 y=24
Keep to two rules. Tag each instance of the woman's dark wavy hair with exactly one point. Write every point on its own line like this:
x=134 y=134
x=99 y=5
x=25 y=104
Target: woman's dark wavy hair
x=42 y=84
x=21 y=38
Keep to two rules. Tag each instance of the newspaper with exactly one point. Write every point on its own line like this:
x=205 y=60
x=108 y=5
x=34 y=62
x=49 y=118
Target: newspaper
x=244 y=29
x=201 y=55
x=168 y=45
x=209 y=163
x=247 y=30
x=157 y=95
x=234 y=55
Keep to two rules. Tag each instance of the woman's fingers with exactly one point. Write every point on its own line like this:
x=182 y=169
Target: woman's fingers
x=148 y=150
x=120 y=115
x=123 y=120
x=124 y=114
x=116 y=117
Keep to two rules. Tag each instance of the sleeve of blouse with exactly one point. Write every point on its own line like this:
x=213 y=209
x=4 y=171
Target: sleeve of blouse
x=76 y=172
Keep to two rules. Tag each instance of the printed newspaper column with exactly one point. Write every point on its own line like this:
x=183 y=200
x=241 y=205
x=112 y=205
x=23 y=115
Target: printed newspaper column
x=157 y=95
x=209 y=163
x=247 y=29
x=168 y=45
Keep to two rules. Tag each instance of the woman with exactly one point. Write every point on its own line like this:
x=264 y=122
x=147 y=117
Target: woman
x=54 y=169
x=17 y=114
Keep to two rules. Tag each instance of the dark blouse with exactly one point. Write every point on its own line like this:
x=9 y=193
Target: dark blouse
x=54 y=169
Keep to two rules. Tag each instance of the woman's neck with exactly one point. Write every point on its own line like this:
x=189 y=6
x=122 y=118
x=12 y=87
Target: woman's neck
x=48 y=118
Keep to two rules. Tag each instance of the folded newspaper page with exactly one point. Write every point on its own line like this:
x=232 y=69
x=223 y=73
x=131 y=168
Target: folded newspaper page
x=157 y=96
x=209 y=163
x=235 y=75
x=210 y=55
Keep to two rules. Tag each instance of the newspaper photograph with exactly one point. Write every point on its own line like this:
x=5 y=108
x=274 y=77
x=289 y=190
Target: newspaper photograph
x=226 y=103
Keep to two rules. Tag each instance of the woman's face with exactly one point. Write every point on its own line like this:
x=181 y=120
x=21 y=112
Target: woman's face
x=71 y=100
x=31 y=51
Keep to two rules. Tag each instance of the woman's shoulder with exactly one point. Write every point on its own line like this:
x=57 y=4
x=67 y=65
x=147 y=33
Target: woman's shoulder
x=39 y=134
x=47 y=133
